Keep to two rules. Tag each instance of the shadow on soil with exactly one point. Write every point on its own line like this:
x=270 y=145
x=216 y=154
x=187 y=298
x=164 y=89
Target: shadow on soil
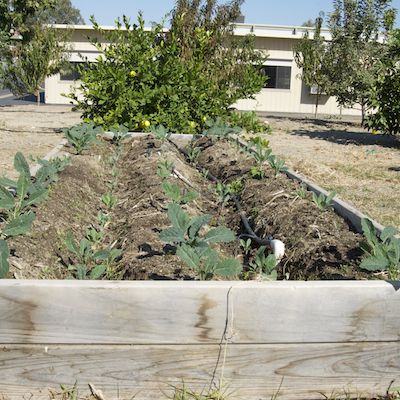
x=356 y=138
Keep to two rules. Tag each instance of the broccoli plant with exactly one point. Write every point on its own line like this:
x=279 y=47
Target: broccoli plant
x=194 y=248
x=219 y=129
x=161 y=133
x=383 y=252
x=165 y=169
x=82 y=136
x=277 y=164
x=177 y=195
x=265 y=266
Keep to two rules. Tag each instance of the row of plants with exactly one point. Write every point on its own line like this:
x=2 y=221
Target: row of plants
x=19 y=198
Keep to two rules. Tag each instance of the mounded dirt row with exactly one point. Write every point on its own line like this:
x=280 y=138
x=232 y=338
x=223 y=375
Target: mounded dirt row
x=319 y=244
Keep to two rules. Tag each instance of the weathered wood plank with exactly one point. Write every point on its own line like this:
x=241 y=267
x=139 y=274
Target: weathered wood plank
x=250 y=371
x=196 y=312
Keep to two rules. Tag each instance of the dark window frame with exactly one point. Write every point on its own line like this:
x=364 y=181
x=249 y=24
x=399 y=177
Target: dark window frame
x=279 y=76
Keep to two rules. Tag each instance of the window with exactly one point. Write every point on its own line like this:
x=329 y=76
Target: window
x=278 y=77
x=70 y=72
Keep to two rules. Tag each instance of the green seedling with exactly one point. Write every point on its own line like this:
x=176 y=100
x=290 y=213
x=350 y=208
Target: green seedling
x=223 y=192
x=91 y=264
x=258 y=140
x=161 y=133
x=109 y=200
x=94 y=235
x=322 y=201
x=265 y=266
x=193 y=247
x=165 y=169
x=236 y=186
x=382 y=252
x=120 y=133
x=178 y=195
x=245 y=245
x=193 y=154
x=205 y=173
x=257 y=172
x=302 y=191
x=219 y=129
x=82 y=136
x=102 y=219
x=277 y=164
x=49 y=171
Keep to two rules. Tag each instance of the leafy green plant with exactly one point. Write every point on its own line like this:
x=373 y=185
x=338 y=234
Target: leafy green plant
x=277 y=164
x=265 y=266
x=383 y=252
x=302 y=191
x=109 y=200
x=82 y=136
x=90 y=263
x=261 y=153
x=194 y=248
x=120 y=133
x=245 y=245
x=193 y=154
x=249 y=121
x=49 y=171
x=165 y=169
x=236 y=186
x=223 y=192
x=322 y=201
x=219 y=129
x=94 y=235
x=258 y=140
x=178 y=195
x=161 y=133
x=102 y=219
x=257 y=172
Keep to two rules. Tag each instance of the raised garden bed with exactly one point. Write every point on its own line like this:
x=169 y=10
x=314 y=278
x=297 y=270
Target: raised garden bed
x=296 y=338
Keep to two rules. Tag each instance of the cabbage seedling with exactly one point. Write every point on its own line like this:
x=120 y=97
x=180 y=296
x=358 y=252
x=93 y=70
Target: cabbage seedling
x=277 y=164
x=109 y=200
x=82 y=136
x=322 y=201
x=164 y=169
x=161 y=133
x=265 y=266
x=383 y=252
x=177 y=195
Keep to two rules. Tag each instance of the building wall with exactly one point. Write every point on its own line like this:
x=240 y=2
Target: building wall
x=297 y=99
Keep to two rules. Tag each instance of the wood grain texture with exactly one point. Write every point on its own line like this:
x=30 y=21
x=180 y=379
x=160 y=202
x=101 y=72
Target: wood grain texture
x=72 y=312
x=250 y=372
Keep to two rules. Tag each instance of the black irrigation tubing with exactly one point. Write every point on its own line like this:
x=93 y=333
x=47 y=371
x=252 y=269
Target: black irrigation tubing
x=250 y=232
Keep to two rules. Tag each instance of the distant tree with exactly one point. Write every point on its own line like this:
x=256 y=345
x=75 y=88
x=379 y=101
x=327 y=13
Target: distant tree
x=309 y=23
x=384 y=97
x=310 y=55
x=29 y=64
x=63 y=12
x=354 y=50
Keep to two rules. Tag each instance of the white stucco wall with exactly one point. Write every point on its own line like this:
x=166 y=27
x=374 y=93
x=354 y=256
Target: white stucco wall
x=277 y=41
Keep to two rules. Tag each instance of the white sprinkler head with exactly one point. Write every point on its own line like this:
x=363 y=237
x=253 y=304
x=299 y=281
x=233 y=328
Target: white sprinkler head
x=278 y=248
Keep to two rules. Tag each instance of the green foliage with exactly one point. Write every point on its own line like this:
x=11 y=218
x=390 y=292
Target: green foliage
x=63 y=12
x=259 y=141
x=384 y=95
x=120 y=133
x=261 y=153
x=161 y=133
x=193 y=154
x=4 y=254
x=49 y=171
x=353 y=52
x=383 y=252
x=90 y=264
x=150 y=77
x=178 y=195
x=193 y=247
x=246 y=245
x=265 y=266
x=82 y=136
x=223 y=192
x=109 y=200
x=302 y=191
x=165 y=169
x=249 y=121
x=322 y=201
x=277 y=164
x=312 y=59
x=219 y=129
x=257 y=172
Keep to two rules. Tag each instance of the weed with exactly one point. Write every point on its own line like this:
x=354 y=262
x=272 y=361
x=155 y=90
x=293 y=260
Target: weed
x=236 y=186
x=256 y=172
x=322 y=201
x=194 y=249
x=383 y=252
x=82 y=136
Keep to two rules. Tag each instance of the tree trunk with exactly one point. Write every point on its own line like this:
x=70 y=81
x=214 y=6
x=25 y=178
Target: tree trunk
x=362 y=112
x=316 y=104
x=37 y=94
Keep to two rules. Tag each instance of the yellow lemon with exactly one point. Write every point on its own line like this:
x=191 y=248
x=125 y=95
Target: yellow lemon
x=132 y=74
x=146 y=124
x=192 y=124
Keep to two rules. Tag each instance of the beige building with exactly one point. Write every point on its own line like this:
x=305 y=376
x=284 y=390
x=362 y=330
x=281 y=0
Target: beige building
x=284 y=92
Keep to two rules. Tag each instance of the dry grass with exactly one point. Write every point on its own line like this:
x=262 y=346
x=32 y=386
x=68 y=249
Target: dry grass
x=362 y=168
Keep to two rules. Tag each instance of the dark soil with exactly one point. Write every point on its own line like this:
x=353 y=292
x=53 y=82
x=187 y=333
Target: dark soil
x=319 y=245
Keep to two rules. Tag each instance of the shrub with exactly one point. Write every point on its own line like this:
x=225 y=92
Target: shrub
x=147 y=78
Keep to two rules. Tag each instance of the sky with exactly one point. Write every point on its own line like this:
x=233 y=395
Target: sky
x=272 y=12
